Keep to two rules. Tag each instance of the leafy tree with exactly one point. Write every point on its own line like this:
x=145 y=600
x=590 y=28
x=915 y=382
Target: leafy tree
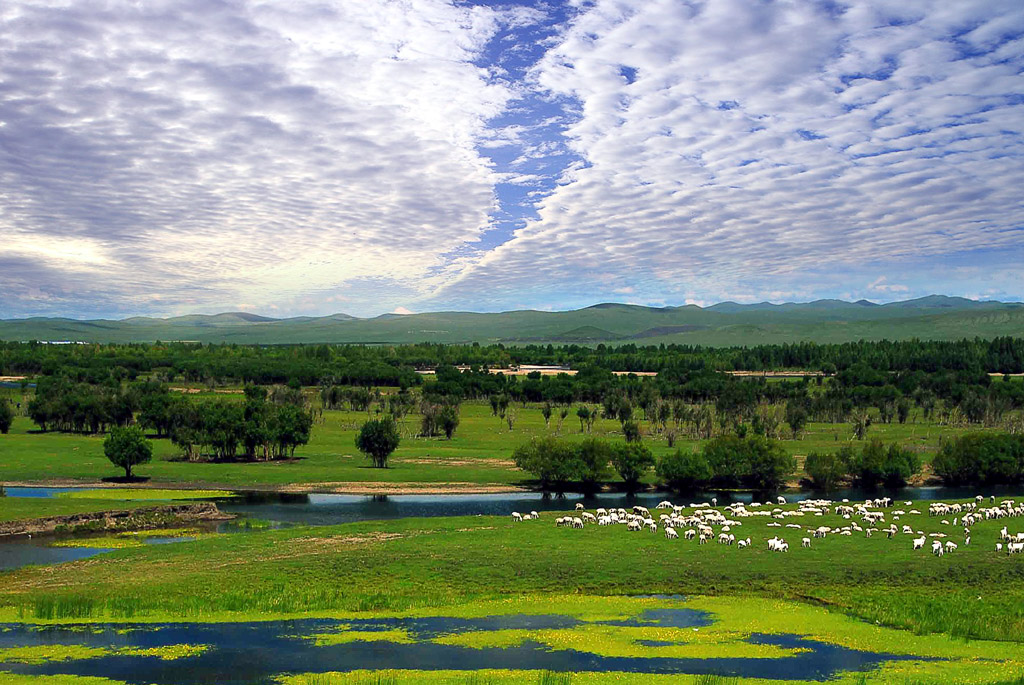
x=724 y=456
x=545 y=411
x=631 y=431
x=449 y=420
x=631 y=461
x=377 y=439
x=127 y=447
x=583 y=413
x=868 y=465
x=796 y=417
x=6 y=417
x=899 y=466
x=684 y=471
x=551 y=461
x=768 y=463
x=825 y=469
x=861 y=422
x=592 y=456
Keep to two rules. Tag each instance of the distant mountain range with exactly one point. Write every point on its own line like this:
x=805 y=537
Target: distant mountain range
x=935 y=317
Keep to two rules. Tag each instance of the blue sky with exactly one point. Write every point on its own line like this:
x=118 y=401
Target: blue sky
x=319 y=156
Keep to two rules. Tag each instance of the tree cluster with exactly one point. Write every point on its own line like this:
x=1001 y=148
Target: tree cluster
x=557 y=463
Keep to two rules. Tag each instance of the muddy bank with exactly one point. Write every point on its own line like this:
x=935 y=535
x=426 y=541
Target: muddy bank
x=143 y=518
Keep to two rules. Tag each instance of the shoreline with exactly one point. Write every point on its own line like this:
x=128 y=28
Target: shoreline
x=143 y=518
x=369 y=488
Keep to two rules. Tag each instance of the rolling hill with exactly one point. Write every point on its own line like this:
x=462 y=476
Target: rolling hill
x=728 y=323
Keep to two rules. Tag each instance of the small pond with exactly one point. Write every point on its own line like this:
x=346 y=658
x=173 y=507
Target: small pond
x=257 y=652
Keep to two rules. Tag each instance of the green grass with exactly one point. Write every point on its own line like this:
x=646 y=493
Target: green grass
x=18 y=508
x=480 y=453
x=421 y=564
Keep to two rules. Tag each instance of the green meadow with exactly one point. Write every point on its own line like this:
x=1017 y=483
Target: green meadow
x=873 y=594
x=479 y=453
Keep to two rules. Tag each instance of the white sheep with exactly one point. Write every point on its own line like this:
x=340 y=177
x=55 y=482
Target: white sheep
x=671 y=533
x=516 y=516
x=805 y=542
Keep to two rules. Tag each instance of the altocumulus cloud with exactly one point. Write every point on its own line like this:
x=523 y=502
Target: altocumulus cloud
x=736 y=149
x=193 y=155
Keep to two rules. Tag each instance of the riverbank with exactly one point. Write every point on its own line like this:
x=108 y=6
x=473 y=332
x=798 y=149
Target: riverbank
x=335 y=488
x=139 y=518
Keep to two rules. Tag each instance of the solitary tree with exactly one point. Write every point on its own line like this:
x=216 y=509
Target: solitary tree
x=449 y=420
x=377 y=439
x=545 y=411
x=127 y=447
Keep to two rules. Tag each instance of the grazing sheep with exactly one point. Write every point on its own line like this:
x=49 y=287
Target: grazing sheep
x=516 y=516
x=671 y=533
x=805 y=542
x=579 y=507
x=577 y=523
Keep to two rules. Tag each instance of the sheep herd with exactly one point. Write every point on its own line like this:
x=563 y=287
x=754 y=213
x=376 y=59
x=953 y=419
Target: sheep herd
x=706 y=523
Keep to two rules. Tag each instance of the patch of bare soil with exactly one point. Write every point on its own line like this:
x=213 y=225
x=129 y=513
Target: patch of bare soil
x=443 y=461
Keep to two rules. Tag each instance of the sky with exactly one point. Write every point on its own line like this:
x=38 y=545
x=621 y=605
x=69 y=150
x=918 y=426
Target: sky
x=310 y=157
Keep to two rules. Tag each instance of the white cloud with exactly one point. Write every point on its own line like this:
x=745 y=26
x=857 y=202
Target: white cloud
x=241 y=149
x=769 y=147
x=401 y=310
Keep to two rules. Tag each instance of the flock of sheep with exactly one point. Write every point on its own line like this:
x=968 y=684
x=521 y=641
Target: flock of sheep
x=868 y=517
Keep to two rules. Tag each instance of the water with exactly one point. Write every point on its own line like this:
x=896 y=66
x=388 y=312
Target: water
x=330 y=509
x=327 y=509
x=257 y=652
x=24 y=553
x=18 y=491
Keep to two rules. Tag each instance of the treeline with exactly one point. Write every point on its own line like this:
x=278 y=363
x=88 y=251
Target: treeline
x=751 y=462
x=869 y=466
x=396 y=364
x=269 y=424
x=981 y=459
x=726 y=462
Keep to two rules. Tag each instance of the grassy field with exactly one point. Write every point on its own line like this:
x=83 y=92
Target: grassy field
x=479 y=453
x=864 y=593
x=417 y=563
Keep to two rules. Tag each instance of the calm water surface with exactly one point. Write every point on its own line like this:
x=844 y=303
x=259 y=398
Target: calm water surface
x=257 y=652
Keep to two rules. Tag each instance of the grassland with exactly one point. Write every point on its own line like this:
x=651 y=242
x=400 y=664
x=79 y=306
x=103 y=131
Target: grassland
x=479 y=455
x=413 y=564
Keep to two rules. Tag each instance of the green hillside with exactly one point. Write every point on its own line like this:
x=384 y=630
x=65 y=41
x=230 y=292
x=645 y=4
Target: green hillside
x=934 y=317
